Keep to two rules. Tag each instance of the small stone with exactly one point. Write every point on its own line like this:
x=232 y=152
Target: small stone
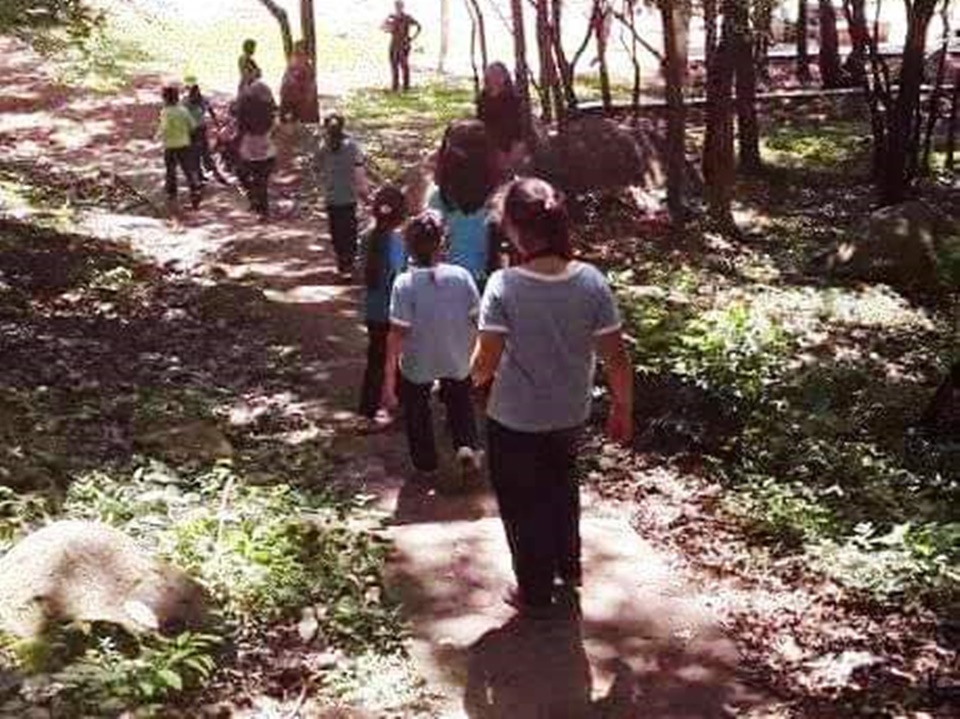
x=309 y=626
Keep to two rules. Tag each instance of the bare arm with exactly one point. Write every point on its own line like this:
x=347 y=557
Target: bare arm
x=360 y=181
x=619 y=372
x=486 y=357
x=392 y=362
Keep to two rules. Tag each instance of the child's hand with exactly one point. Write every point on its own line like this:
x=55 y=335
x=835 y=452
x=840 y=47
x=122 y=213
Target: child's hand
x=620 y=424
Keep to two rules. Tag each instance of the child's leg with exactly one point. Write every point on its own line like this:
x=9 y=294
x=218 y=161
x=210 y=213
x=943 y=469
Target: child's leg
x=460 y=415
x=564 y=501
x=372 y=391
x=185 y=158
x=170 y=182
x=335 y=221
x=419 y=424
x=514 y=470
x=350 y=239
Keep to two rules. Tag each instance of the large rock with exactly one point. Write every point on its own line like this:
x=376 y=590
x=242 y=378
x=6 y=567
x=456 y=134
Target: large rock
x=84 y=571
x=597 y=154
x=900 y=245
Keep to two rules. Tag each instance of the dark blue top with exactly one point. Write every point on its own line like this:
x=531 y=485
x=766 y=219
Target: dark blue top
x=394 y=262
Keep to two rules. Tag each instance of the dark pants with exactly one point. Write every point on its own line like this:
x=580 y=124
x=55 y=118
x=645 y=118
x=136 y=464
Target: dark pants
x=418 y=418
x=202 y=158
x=400 y=67
x=539 y=498
x=255 y=177
x=343 y=234
x=372 y=390
x=183 y=158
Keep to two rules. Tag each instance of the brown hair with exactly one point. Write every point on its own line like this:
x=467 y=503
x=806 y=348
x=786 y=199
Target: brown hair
x=423 y=237
x=170 y=94
x=389 y=211
x=465 y=173
x=537 y=211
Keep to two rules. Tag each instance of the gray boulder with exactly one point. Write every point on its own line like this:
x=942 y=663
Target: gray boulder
x=89 y=572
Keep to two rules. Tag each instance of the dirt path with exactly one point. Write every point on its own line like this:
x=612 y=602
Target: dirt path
x=647 y=644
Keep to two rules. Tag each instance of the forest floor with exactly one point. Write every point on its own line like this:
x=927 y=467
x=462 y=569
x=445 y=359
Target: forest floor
x=129 y=340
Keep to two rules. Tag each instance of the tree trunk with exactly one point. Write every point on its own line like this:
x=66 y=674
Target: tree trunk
x=675 y=16
x=718 y=157
x=547 y=68
x=897 y=179
x=933 y=111
x=522 y=71
x=630 y=10
x=477 y=14
x=284 y=21
x=444 y=35
x=748 y=127
x=473 y=52
x=601 y=23
x=831 y=71
x=952 y=122
x=710 y=27
x=803 y=59
x=855 y=66
x=762 y=33
x=565 y=66
x=308 y=30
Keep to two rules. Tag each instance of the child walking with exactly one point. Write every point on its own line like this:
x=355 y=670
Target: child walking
x=542 y=324
x=174 y=130
x=345 y=182
x=199 y=107
x=384 y=260
x=432 y=330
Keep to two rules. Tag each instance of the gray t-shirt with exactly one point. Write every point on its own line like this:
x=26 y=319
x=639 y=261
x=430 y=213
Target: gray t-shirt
x=439 y=307
x=551 y=322
x=339 y=172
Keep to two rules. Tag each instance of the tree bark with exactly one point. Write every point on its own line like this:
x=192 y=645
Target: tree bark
x=762 y=34
x=601 y=20
x=675 y=16
x=280 y=15
x=710 y=27
x=748 y=127
x=522 y=71
x=803 y=58
x=308 y=30
x=565 y=66
x=718 y=157
x=548 y=73
x=831 y=71
x=855 y=66
x=444 y=35
x=477 y=15
x=901 y=149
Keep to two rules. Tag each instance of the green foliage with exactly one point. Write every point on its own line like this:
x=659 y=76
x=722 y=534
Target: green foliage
x=788 y=514
x=36 y=19
x=836 y=147
x=18 y=511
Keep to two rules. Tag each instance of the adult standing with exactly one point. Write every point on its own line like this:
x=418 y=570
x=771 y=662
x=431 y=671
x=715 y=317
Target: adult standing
x=542 y=323
x=256 y=114
x=500 y=108
x=403 y=29
x=248 y=67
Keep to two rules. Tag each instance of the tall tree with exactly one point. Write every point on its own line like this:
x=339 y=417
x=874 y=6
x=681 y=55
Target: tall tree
x=831 y=71
x=803 y=57
x=675 y=17
x=710 y=29
x=718 y=156
x=748 y=127
x=551 y=94
x=855 y=12
x=904 y=117
x=283 y=20
x=602 y=15
x=520 y=56
x=308 y=31
x=444 y=35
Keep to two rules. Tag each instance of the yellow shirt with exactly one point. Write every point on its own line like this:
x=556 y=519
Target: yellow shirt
x=176 y=124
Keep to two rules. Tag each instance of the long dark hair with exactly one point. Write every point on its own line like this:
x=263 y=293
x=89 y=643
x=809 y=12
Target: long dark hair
x=537 y=212
x=389 y=210
x=423 y=237
x=465 y=174
x=509 y=89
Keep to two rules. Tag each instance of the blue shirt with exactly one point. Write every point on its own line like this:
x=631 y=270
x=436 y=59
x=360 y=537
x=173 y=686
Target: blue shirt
x=394 y=261
x=468 y=246
x=551 y=323
x=438 y=306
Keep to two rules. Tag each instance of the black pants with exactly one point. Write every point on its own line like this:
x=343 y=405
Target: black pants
x=202 y=158
x=182 y=158
x=343 y=234
x=372 y=390
x=539 y=498
x=400 y=67
x=415 y=398
x=255 y=178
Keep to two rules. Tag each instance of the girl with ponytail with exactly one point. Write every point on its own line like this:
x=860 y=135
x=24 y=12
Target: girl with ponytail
x=433 y=314
x=384 y=260
x=542 y=325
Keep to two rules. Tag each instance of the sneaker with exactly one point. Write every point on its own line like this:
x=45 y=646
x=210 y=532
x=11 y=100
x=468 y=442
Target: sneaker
x=469 y=460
